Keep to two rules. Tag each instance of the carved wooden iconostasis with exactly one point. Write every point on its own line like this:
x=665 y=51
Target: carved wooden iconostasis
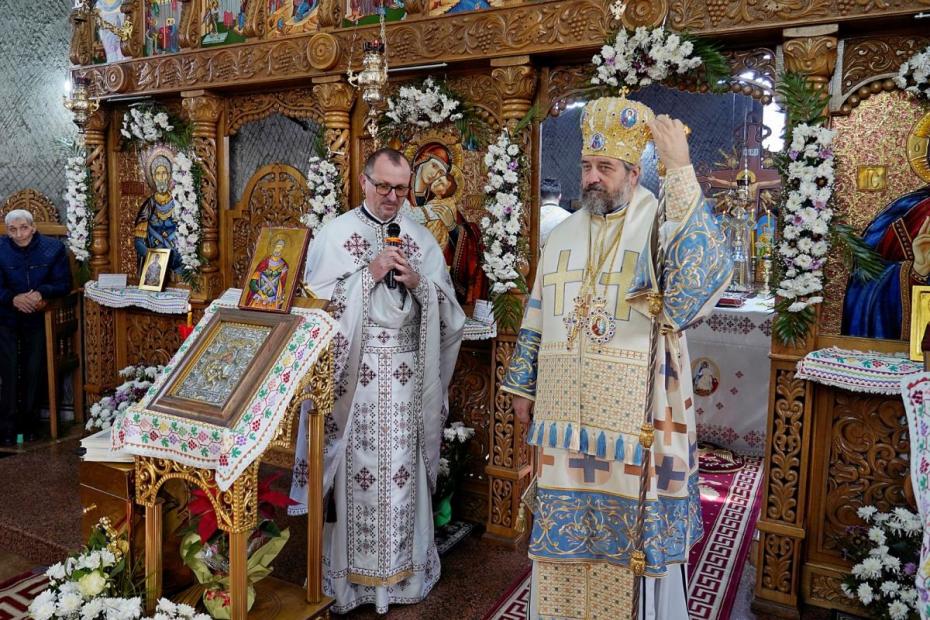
x=258 y=81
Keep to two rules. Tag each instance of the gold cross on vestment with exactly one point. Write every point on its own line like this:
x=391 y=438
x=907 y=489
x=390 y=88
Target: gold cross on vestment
x=622 y=279
x=560 y=278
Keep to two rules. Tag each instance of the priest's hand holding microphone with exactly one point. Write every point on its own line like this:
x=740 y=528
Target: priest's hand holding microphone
x=392 y=266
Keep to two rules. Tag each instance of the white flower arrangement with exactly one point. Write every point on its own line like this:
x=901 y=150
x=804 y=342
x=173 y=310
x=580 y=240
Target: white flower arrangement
x=807 y=215
x=325 y=194
x=79 y=213
x=186 y=197
x=91 y=586
x=501 y=227
x=145 y=125
x=423 y=106
x=138 y=379
x=643 y=57
x=453 y=458
x=886 y=555
x=914 y=75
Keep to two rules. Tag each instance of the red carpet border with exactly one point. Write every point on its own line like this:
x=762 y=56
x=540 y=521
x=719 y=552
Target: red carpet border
x=730 y=503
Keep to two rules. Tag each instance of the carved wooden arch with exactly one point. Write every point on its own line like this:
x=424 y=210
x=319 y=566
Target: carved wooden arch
x=294 y=103
x=43 y=210
x=568 y=84
x=236 y=508
x=851 y=100
x=868 y=65
x=276 y=195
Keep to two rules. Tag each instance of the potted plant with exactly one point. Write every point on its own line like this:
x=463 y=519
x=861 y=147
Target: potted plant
x=453 y=461
x=205 y=548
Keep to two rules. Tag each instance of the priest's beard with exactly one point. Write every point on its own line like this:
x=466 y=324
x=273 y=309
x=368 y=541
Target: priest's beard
x=601 y=202
x=162 y=186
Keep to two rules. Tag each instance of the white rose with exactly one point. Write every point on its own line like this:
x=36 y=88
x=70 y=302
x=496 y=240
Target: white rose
x=92 y=584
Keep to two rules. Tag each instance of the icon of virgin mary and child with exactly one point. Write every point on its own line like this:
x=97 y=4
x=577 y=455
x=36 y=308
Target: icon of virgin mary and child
x=438 y=188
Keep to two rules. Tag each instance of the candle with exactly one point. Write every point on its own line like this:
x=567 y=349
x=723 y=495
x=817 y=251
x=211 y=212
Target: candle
x=189 y=316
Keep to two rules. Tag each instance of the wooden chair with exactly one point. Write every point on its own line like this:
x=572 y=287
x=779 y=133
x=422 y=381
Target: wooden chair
x=62 y=315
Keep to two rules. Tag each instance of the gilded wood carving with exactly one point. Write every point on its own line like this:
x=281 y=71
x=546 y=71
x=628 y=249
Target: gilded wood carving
x=868 y=461
x=146 y=337
x=274 y=196
x=294 y=103
x=785 y=463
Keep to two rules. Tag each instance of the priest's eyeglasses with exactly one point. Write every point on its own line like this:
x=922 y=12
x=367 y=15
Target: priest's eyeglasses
x=384 y=189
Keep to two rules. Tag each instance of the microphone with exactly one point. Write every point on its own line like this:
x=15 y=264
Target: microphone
x=393 y=240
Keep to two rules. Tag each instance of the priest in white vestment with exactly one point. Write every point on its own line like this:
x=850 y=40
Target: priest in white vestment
x=394 y=359
x=551 y=213
x=583 y=355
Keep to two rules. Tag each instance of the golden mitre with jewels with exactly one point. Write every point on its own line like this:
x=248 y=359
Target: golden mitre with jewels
x=615 y=127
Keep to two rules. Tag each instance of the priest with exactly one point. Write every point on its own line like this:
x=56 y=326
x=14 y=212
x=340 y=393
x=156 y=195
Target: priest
x=401 y=328
x=617 y=493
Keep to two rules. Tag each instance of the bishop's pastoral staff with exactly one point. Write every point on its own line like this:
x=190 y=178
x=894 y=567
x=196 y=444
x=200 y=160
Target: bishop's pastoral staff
x=401 y=328
x=583 y=355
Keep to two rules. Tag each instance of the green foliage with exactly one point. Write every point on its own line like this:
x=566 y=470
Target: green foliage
x=714 y=65
x=508 y=308
x=864 y=263
x=791 y=328
x=802 y=103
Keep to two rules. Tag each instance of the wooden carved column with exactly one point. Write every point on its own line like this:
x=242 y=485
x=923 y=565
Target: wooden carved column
x=782 y=524
x=99 y=321
x=203 y=110
x=95 y=141
x=336 y=99
x=511 y=460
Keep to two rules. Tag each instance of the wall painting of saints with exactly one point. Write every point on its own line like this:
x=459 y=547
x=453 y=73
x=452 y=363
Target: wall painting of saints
x=447 y=7
x=900 y=233
x=162 y=27
x=223 y=21
x=365 y=12
x=109 y=12
x=291 y=16
x=156 y=223
x=438 y=190
x=275 y=270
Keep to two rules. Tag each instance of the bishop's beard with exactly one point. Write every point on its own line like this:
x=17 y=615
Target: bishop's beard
x=601 y=202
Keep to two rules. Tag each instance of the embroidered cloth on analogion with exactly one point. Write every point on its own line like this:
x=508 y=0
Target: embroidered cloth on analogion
x=229 y=451
x=857 y=371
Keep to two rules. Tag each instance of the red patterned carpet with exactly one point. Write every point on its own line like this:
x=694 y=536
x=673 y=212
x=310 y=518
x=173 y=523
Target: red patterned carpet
x=730 y=500
x=18 y=592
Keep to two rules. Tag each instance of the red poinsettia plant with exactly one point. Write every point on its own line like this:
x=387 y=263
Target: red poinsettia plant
x=205 y=549
x=202 y=510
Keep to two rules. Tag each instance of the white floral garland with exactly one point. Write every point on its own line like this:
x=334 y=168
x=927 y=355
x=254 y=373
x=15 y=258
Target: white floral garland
x=643 y=57
x=807 y=215
x=325 y=194
x=423 y=106
x=881 y=577
x=184 y=194
x=505 y=211
x=914 y=74
x=79 y=215
x=146 y=125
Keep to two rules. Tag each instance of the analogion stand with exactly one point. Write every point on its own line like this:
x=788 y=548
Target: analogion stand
x=237 y=511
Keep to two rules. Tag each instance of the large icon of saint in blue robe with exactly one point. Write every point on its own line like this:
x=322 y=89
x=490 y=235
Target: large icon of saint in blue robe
x=155 y=225
x=881 y=308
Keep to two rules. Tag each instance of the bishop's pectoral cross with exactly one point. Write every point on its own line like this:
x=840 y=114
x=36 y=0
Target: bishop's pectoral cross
x=622 y=279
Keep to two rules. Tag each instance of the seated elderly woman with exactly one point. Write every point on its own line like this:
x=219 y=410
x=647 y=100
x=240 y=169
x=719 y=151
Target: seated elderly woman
x=33 y=269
